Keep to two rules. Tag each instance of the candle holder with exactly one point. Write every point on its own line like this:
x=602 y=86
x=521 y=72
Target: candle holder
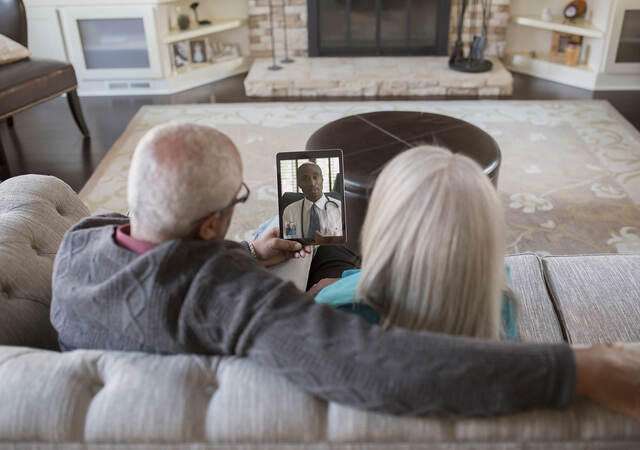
x=273 y=66
x=286 y=59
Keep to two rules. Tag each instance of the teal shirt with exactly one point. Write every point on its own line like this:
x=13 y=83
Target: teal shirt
x=341 y=296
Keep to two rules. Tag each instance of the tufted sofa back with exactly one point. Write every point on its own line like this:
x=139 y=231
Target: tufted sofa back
x=35 y=212
x=125 y=400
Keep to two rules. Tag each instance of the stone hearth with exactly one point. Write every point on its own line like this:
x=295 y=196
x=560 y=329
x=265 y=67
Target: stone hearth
x=374 y=76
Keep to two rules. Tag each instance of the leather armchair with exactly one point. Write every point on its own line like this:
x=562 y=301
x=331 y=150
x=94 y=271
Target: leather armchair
x=31 y=81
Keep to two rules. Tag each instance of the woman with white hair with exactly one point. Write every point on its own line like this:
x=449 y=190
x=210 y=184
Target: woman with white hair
x=432 y=251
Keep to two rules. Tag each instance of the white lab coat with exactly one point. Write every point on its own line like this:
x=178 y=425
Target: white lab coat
x=330 y=218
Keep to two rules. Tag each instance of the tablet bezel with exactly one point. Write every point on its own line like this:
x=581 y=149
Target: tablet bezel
x=333 y=153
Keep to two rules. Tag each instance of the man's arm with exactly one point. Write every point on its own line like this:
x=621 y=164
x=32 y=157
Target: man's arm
x=343 y=359
x=340 y=358
x=336 y=356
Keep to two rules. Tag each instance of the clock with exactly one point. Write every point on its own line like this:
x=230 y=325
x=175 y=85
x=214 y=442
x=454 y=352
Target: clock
x=575 y=8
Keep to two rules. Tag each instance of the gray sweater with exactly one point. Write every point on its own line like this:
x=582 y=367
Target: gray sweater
x=211 y=297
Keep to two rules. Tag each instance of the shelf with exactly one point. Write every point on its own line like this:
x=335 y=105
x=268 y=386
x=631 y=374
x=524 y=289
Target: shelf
x=216 y=27
x=204 y=73
x=580 y=26
x=177 y=82
x=58 y=3
x=117 y=46
x=550 y=60
x=552 y=68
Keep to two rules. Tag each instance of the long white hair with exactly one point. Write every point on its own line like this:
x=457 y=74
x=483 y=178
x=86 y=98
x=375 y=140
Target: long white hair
x=433 y=245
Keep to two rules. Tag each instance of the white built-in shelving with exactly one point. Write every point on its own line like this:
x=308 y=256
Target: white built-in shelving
x=552 y=67
x=54 y=33
x=195 y=74
x=216 y=27
x=546 y=65
x=578 y=27
x=530 y=43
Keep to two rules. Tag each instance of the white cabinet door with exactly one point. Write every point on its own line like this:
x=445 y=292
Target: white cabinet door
x=112 y=42
x=623 y=52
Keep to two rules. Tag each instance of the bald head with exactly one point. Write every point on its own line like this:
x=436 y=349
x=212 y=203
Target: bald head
x=181 y=172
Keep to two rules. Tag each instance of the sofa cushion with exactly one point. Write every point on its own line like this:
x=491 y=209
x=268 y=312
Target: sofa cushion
x=35 y=212
x=598 y=296
x=537 y=320
x=127 y=397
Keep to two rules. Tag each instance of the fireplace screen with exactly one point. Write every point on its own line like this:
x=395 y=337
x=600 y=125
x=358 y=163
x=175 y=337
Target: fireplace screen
x=378 y=27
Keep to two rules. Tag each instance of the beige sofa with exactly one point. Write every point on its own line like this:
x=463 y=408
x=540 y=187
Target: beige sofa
x=100 y=399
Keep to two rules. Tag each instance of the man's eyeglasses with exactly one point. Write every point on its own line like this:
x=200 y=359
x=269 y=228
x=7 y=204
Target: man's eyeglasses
x=243 y=197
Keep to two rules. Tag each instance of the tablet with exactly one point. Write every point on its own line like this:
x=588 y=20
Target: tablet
x=311 y=197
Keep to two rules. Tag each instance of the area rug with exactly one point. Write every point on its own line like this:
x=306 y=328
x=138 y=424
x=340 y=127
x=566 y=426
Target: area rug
x=569 y=180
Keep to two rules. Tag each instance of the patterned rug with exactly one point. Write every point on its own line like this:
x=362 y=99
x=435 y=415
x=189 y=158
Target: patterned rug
x=570 y=176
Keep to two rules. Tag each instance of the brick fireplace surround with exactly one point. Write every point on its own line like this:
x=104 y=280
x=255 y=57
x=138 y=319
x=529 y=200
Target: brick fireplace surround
x=365 y=76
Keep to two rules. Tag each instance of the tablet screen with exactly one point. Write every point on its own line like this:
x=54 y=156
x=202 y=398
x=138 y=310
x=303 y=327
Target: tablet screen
x=311 y=197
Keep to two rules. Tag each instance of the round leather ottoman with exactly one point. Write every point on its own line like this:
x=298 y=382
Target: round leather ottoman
x=370 y=140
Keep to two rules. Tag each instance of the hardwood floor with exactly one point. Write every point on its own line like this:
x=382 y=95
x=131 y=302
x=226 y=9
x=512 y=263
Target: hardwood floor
x=46 y=140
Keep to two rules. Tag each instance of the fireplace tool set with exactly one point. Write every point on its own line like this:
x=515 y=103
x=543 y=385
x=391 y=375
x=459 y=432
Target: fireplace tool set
x=286 y=59
x=475 y=61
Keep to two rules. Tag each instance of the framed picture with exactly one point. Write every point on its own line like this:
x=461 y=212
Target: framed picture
x=559 y=42
x=180 y=54
x=198 y=51
x=220 y=51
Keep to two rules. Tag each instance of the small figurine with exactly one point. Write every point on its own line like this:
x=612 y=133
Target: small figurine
x=194 y=6
x=198 y=51
x=183 y=22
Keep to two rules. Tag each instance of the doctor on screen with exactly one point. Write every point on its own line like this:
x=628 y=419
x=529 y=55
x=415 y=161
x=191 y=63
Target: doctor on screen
x=317 y=213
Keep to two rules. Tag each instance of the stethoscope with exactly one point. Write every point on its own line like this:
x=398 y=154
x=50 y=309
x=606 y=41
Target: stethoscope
x=325 y=210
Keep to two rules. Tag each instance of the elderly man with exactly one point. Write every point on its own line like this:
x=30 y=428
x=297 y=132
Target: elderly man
x=166 y=281
x=315 y=214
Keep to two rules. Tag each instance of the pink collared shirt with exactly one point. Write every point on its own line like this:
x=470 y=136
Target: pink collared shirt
x=123 y=239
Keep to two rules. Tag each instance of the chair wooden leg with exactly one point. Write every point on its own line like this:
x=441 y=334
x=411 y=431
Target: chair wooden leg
x=76 y=110
x=4 y=165
x=10 y=121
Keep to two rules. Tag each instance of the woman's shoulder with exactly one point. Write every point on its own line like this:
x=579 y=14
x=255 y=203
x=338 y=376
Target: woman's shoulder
x=341 y=295
x=342 y=292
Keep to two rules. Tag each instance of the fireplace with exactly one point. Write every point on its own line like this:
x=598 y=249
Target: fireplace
x=378 y=27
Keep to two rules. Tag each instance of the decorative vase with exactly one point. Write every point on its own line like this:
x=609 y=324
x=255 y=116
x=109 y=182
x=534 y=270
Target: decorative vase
x=183 y=21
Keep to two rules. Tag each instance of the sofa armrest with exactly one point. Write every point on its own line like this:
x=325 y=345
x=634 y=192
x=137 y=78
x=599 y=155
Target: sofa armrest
x=35 y=212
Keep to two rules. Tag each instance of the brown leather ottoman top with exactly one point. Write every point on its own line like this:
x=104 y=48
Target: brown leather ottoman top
x=370 y=140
